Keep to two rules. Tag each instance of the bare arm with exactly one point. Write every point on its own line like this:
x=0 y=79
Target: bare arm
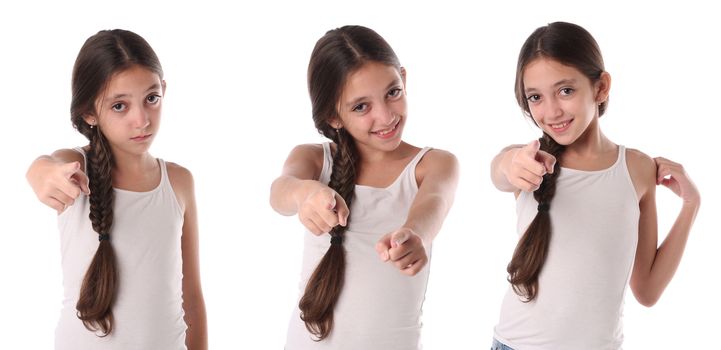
x=297 y=190
x=58 y=179
x=196 y=336
x=405 y=247
x=435 y=195
x=655 y=265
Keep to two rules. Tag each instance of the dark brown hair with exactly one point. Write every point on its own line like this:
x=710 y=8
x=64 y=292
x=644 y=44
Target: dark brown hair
x=103 y=55
x=336 y=55
x=571 y=45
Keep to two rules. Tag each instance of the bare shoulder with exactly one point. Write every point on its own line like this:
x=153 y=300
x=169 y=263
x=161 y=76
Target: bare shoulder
x=181 y=179
x=309 y=152
x=642 y=169
x=67 y=155
x=305 y=161
x=437 y=162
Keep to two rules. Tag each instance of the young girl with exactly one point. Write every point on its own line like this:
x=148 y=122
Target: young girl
x=128 y=229
x=586 y=206
x=371 y=203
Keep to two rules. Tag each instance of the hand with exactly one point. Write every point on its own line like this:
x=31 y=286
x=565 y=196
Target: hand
x=404 y=248
x=57 y=184
x=673 y=176
x=322 y=210
x=525 y=167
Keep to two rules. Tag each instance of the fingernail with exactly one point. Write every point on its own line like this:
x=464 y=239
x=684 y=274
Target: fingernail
x=385 y=256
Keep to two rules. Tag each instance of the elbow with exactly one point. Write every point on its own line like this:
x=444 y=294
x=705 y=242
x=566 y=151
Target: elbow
x=645 y=295
x=647 y=300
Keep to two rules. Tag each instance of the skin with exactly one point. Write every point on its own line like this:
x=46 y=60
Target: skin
x=129 y=107
x=559 y=93
x=373 y=101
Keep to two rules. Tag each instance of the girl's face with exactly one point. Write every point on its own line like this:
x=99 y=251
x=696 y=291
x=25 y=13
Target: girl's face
x=128 y=110
x=372 y=107
x=562 y=101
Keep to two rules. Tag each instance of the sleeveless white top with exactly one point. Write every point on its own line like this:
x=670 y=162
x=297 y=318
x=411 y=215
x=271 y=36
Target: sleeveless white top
x=379 y=308
x=579 y=305
x=146 y=232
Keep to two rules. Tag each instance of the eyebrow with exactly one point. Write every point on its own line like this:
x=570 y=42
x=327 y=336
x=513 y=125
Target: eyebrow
x=155 y=86
x=356 y=100
x=557 y=84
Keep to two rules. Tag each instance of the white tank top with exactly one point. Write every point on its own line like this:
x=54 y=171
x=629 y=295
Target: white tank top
x=146 y=232
x=379 y=308
x=594 y=218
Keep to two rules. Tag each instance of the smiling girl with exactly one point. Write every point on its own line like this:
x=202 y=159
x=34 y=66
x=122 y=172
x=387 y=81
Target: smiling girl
x=127 y=220
x=370 y=202
x=586 y=206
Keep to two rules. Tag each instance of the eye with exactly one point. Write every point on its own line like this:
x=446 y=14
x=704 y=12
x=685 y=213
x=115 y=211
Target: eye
x=533 y=98
x=118 y=107
x=361 y=107
x=153 y=99
x=566 y=91
x=395 y=92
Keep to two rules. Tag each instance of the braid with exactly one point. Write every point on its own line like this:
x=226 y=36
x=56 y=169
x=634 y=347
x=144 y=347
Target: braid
x=326 y=282
x=97 y=292
x=532 y=248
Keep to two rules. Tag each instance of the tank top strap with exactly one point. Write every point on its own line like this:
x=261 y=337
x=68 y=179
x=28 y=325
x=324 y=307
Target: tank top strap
x=327 y=164
x=166 y=188
x=409 y=173
x=85 y=158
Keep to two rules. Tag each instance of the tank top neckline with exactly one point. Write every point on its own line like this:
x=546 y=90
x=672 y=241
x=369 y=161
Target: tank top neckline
x=163 y=176
x=621 y=152
x=414 y=161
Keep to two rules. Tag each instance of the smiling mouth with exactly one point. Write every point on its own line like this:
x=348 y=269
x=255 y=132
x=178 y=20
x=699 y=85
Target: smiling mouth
x=387 y=131
x=561 y=125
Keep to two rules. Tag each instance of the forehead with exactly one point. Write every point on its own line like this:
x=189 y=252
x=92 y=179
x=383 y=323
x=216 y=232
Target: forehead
x=370 y=79
x=130 y=81
x=544 y=72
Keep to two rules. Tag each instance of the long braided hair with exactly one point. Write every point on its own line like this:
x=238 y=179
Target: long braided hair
x=573 y=46
x=336 y=55
x=104 y=54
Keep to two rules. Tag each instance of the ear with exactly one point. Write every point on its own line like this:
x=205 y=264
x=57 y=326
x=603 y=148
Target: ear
x=603 y=87
x=334 y=122
x=90 y=119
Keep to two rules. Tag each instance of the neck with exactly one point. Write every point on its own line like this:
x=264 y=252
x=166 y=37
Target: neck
x=592 y=143
x=127 y=163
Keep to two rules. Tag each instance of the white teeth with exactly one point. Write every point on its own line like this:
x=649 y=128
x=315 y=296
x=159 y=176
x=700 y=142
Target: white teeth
x=559 y=126
x=384 y=132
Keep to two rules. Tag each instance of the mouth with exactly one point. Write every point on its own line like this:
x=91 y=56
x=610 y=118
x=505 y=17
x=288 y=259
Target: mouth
x=562 y=126
x=389 y=132
x=141 y=137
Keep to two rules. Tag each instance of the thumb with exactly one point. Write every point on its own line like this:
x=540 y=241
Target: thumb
x=383 y=245
x=399 y=237
x=548 y=160
x=68 y=169
x=342 y=210
x=82 y=180
x=532 y=148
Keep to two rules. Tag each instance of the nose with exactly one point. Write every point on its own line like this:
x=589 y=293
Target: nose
x=553 y=109
x=386 y=115
x=141 y=119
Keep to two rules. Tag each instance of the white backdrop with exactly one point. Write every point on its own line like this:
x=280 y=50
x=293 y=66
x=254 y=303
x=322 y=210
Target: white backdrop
x=237 y=102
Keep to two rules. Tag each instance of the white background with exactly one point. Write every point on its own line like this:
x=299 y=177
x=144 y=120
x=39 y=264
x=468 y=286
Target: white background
x=237 y=103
